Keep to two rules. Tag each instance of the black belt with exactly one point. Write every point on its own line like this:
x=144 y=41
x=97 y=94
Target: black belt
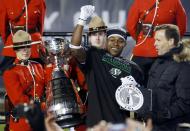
x=30 y=30
x=148 y=29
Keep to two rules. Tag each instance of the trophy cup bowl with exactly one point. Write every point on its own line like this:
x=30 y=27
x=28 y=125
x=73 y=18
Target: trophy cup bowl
x=56 y=45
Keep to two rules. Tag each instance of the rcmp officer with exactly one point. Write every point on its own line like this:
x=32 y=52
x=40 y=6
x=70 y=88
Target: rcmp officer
x=24 y=80
x=27 y=15
x=152 y=13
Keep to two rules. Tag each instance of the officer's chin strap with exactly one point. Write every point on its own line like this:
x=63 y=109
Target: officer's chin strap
x=24 y=62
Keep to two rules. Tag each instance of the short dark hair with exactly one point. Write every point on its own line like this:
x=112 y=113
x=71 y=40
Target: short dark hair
x=171 y=31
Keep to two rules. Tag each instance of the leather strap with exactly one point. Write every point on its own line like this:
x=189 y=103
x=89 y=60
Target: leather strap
x=148 y=11
x=22 y=12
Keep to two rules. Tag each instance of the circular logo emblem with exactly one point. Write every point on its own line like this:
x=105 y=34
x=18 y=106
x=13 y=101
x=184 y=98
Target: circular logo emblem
x=129 y=97
x=115 y=72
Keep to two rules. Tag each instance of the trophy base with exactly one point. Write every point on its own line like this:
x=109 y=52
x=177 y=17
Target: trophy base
x=71 y=120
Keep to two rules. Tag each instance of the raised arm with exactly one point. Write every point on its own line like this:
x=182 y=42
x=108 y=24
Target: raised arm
x=77 y=35
x=85 y=12
x=75 y=46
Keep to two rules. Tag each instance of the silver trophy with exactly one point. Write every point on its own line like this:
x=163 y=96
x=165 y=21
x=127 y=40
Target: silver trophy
x=64 y=102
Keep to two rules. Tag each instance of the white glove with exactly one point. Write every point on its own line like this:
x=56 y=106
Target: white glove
x=86 y=12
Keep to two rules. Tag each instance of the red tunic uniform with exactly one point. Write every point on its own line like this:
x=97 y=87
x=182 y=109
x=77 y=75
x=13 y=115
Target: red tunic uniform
x=9 y=10
x=19 y=78
x=169 y=12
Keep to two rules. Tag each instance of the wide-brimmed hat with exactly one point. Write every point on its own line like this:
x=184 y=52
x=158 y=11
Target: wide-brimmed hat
x=96 y=24
x=22 y=38
x=117 y=31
